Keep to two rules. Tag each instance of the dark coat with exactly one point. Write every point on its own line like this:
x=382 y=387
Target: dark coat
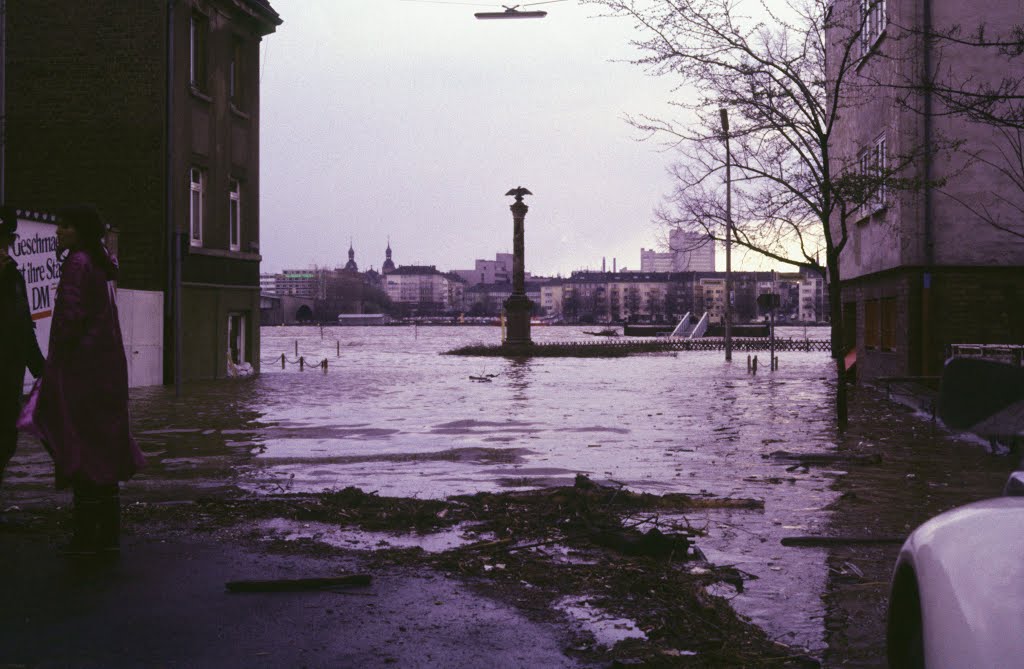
x=20 y=348
x=81 y=410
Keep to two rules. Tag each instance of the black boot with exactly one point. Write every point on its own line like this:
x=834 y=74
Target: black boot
x=83 y=527
x=108 y=523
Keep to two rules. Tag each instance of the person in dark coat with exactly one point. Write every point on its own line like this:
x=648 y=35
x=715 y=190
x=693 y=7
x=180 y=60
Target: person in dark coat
x=20 y=348
x=80 y=411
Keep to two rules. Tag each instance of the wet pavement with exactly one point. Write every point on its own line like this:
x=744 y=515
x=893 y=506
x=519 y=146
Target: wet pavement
x=392 y=415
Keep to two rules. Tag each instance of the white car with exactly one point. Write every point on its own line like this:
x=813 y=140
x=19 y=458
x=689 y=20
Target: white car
x=957 y=597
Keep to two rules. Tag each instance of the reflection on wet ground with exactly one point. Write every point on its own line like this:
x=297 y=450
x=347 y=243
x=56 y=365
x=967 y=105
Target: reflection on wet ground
x=392 y=415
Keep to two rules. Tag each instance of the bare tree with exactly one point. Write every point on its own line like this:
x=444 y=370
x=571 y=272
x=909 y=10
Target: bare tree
x=792 y=200
x=992 y=97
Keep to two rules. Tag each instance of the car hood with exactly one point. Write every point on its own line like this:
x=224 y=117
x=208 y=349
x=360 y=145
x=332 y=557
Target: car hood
x=969 y=564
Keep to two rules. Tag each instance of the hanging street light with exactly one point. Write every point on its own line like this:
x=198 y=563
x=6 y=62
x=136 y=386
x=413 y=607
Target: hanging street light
x=511 y=13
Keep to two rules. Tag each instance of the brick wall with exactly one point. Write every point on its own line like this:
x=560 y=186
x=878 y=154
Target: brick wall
x=981 y=305
x=85 y=101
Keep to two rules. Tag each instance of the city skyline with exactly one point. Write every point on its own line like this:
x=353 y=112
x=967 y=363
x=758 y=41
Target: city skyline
x=743 y=260
x=414 y=119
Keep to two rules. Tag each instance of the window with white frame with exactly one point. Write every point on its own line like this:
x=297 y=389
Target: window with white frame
x=197 y=201
x=871 y=163
x=235 y=214
x=872 y=23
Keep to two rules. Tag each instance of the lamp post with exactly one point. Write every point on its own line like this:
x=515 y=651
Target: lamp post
x=518 y=306
x=724 y=114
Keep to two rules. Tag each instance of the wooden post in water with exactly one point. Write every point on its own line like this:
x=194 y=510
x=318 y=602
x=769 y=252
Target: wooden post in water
x=302 y=364
x=339 y=349
x=296 y=347
x=282 y=361
x=755 y=365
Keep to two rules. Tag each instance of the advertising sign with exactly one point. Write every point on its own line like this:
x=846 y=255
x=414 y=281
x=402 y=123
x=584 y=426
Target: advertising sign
x=35 y=252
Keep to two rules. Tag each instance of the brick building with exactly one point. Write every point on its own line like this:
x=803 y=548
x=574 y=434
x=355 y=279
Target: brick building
x=923 y=268
x=150 y=110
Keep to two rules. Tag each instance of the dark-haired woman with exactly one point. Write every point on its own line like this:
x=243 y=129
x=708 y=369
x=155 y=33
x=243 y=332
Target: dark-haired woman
x=80 y=411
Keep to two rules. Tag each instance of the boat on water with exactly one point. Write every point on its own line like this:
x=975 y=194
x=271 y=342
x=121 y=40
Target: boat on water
x=607 y=332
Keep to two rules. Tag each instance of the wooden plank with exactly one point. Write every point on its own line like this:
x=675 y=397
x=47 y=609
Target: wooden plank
x=297 y=584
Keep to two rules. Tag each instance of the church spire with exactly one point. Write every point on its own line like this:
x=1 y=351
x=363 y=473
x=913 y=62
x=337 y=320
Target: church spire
x=351 y=264
x=389 y=264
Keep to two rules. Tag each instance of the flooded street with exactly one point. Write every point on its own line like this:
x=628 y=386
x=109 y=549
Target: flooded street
x=393 y=416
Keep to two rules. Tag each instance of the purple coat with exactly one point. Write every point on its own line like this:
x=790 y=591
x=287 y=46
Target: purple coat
x=80 y=408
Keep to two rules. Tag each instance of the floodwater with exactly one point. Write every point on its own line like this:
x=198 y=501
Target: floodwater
x=390 y=414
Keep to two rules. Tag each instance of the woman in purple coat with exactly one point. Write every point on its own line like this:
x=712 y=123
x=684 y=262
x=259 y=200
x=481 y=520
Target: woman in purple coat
x=81 y=410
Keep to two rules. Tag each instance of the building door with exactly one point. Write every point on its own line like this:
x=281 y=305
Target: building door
x=236 y=337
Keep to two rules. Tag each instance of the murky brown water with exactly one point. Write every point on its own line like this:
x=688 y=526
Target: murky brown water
x=392 y=415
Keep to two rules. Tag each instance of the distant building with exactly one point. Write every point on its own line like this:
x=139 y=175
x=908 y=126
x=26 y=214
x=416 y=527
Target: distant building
x=551 y=298
x=351 y=265
x=494 y=271
x=297 y=282
x=653 y=261
x=389 y=264
x=92 y=117
x=813 y=298
x=603 y=297
x=688 y=252
x=422 y=290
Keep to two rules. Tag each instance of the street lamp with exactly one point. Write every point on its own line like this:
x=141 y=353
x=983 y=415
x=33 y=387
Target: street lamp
x=511 y=13
x=724 y=115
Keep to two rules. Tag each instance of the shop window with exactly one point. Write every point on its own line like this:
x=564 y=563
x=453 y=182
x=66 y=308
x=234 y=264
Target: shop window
x=871 y=324
x=888 y=323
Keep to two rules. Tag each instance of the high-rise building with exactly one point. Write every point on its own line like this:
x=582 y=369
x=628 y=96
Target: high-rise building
x=691 y=251
x=688 y=252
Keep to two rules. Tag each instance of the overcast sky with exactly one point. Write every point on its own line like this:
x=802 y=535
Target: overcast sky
x=408 y=119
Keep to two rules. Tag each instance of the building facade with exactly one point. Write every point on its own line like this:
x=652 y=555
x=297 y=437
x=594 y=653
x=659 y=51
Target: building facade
x=611 y=297
x=150 y=111
x=688 y=252
x=927 y=266
x=494 y=271
x=422 y=290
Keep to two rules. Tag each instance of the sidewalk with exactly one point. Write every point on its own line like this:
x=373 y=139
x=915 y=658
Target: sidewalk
x=164 y=605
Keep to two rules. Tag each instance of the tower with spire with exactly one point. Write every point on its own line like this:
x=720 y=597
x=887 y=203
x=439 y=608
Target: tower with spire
x=389 y=264
x=351 y=265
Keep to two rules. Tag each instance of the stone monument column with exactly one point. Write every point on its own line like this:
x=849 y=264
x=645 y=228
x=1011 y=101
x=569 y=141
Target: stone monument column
x=518 y=307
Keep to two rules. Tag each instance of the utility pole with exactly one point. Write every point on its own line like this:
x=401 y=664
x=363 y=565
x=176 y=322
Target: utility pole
x=724 y=114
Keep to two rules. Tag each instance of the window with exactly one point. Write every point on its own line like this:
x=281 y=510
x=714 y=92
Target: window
x=234 y=214
x=871 y=164
x=888 y=318
x=871 y=325
x=196 y=205
x=872 y=22
x=236 y=73
x=198 y=31
x=236 y=338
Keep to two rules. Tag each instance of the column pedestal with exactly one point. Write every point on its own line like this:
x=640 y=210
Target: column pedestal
x=517 y=325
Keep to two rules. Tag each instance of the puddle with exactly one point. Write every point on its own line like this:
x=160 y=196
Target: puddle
x=606 y=628
x=351 y=538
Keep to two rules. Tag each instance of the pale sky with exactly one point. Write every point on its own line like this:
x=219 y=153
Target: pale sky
x=383 y=117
